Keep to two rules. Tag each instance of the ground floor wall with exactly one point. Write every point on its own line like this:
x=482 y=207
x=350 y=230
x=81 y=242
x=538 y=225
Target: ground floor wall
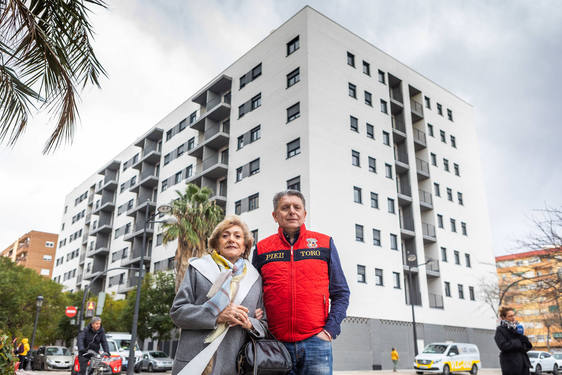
x=365 y=344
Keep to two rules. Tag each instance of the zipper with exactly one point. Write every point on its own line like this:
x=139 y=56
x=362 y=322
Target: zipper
x=293 y=303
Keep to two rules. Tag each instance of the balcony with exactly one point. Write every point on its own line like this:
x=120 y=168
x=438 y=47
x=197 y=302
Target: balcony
x=422 y=169
x=142 y=206
x=401 y=161
x=428 y=231
x=124 y=288
x=91 y=274
x=404 y=194
x=109 y=184
x=432 y=269
x=101 y=227
x=85 y=239
x=417 y=110
x=398 y=129
x=138 y=231
x=212 y=168
x=407 y=230
x=436 y=301
x=216 y=109
x=426 y=200
x=107 y=205
x=88 y=218
x=420 y=140
x=396 y=100
x=82 y=258
x=148 y=180
x=150 y=155
x=126 y=262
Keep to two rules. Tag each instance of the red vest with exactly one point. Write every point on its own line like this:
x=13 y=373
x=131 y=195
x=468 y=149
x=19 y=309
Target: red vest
x=295 y=283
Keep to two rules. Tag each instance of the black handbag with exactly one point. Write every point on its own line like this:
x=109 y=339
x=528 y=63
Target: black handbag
x=263 y=356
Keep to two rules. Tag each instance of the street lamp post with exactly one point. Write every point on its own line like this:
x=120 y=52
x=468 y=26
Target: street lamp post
x=164 y=209
x=38 y=304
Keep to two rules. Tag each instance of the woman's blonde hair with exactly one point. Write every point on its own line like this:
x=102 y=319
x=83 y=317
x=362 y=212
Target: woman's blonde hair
x=228 y=222
x=504 y=310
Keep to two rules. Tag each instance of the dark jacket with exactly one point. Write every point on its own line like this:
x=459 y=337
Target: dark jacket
x=513 y=351
x=90 y=339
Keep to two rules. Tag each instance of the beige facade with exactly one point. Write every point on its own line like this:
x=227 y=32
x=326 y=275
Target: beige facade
x=35 y=250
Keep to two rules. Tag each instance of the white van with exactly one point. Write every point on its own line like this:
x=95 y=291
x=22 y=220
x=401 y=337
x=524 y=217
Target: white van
x=123 y=342
x=448 y=357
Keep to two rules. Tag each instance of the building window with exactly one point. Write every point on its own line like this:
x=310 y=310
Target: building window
x=439 y=109
x=376 y=237
x=357 y=195
x=169 y=135
x=256 y=102
x=450 y=115
x=453 y=225
x=396 y=280
x=382 y=78
x=393 y=242
x=293 y=77
x=180 y=150
x=351 y=59
x=436 y=189
x=467 y=260
x=444 y=254
x=47 y=257
x=449 y=194
x=254 y=166
x=378 y=277
x=189 y=171
x=359 y=232
x=293 y=45
x=433 y=159
x=453 y=141
x=49 y=243
x=238 y=207
x=388 y=170
x=293 y=148
x=384 y=106
x=294 y=183
x=293 y=112
x=355 y=158
x=366 y=68
x=457 y=169
x=463 y=228
x=253 y=202
x=192 y=117
x=446 y=164
x=430 y=130
x=370 y=131
x=191 y=143
x=447 y=289
x=461 y=291
x=177 y=178
x=439 y=221
x=239 y=174
x=385 y=138
x=255 y=134
x=457 y=257
x=471 y=293
x=361 y=277
x=391 y=206
x=256 y=71
x=352 y=90
x=255 y=236
x=443 y=137
x=368 y=98
x=354 y=123
x=374 y=200
x=427 y=102
x=164 y=185
x=459 y=198
x=240 y=142
x=372 y=164
x=167 y=159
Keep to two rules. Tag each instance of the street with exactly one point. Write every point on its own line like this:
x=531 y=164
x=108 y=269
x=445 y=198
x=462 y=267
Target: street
x=486 y=371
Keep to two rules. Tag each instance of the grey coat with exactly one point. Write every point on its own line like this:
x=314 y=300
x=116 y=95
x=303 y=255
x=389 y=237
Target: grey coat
x=197 y=322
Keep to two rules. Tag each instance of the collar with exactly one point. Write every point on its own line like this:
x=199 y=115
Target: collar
x=284 y=236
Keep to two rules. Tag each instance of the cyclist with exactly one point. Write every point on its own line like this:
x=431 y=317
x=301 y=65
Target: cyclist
x=90 y=338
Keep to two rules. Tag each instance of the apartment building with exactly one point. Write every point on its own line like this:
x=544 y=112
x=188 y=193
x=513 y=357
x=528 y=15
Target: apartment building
x=386 y=158
x=35 y=250
x=529 y=282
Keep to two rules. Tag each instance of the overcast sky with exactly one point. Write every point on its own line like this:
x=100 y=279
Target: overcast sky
x=503 y=57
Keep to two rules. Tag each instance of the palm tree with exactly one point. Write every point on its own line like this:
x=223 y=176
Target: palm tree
x=197 y=217
x=45 y=55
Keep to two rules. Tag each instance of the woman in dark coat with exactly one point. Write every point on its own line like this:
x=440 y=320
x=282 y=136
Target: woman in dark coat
x=512 y=344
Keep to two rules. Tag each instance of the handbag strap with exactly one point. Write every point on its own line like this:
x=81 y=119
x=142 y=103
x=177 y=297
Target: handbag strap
x=256 y=354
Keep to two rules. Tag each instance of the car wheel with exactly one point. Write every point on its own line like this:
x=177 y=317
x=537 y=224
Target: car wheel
x=137 y=368
x=419 y=372
x=42 y=366
x=474 y=370
x=150 y=367
x=538 y=370
x=555 y=369
x=446 y=370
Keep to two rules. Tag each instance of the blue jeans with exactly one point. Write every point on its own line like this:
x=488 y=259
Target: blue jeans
x=312 y=356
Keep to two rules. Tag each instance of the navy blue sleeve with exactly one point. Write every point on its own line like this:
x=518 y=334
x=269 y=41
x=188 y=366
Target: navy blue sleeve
x=255 y=259
x=339 y=293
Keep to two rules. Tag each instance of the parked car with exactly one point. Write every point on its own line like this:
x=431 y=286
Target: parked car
x=154 y=361
x=448 y=357
x=542 y=362
x=51 y=358
x=558 y=359
x=123 y=341
x=112 y=365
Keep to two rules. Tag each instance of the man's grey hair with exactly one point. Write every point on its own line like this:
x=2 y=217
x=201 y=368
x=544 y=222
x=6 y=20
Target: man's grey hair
x=95 y=319
x=277 y=197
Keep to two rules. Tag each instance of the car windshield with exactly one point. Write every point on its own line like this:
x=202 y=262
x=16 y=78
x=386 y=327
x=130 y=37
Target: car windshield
x=533 y=355
x=435 y=349
x=158 y=354
x=112 y=346
x=558 y=355
x=124 y=344
x=57 y=351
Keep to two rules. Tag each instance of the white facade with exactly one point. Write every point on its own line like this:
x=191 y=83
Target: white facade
x=324 y=167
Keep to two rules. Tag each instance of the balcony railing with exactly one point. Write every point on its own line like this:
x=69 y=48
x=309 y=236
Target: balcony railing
x=425 y=197
x=435 y=301
x=396 y=94
x=419 y=136
x=416 y=107
x=398 y=124
x=428 y=230
x=402 y=157
x=422 y=166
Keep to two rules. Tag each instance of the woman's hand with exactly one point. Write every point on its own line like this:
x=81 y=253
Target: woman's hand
x=259 y=313
x=235 y=315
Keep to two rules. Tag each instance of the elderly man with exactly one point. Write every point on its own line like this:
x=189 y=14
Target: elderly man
x=305 y=291
x=90 y=338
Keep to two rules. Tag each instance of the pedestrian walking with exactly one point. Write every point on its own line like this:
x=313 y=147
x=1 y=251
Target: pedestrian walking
x=513 y=345
x=23 y=349
x=394 y=356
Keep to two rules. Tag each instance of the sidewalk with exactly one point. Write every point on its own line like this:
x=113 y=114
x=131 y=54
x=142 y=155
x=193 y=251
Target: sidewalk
x=484 y=371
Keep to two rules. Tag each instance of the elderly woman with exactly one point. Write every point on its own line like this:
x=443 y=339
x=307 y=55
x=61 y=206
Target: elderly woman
x=217 y=303
x=513 y=345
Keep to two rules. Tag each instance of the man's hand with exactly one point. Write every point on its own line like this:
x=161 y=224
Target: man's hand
x=324 y=336
x=259 y=314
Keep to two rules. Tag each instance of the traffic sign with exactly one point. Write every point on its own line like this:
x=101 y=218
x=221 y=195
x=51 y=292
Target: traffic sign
x=70 y=311
x=90 y=307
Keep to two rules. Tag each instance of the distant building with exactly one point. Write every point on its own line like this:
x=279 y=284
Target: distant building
x=534 y=302
x=35 y=250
